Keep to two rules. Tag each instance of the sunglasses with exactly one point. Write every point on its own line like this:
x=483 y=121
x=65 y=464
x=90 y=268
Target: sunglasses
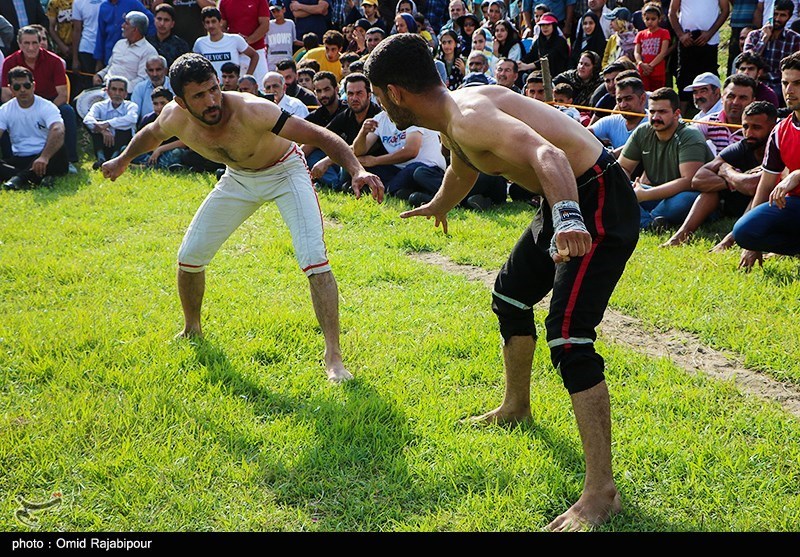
x=18 y=86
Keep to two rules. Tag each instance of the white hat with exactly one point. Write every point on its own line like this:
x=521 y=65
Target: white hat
x=702 y=80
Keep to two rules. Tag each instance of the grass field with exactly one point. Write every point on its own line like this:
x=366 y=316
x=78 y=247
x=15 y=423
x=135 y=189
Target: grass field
x=242 y=432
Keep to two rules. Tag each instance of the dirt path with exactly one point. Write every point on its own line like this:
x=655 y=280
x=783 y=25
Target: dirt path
x=682 y=348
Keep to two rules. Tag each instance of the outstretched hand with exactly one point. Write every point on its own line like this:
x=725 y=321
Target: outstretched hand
x=368 y=180
x=427 y=211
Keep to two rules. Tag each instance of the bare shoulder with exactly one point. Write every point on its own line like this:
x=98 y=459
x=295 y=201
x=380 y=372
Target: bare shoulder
x=254 y=111
x=488 y=108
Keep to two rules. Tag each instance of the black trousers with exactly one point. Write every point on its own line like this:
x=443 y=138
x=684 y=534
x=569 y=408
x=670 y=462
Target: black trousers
x=121 y=139
x=692 y=62
x=21 y=166
x=580 y=287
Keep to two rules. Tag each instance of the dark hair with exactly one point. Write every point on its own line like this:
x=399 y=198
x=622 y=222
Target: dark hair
x=306 y=70
x=248 y=77
x=288 y=64
x=742 y=81
x=403 y=60
x=564 y=89
x=512 y=39
x=535 y=77
x=372 y=30
x=230 y=67
x=167 y=8
x=357 y=76
x=333 y=37
x=162 y=91
x=357 y=66
x=666 y=94
x=189 y=68
x=614 y=67
x=20 y=72
x=28 y=30
x=784 y=6
x=310 y=40
x=624 y=74
x=453 y=35
x=513 y=63
x=749 y=57
x=791 y=62
x=308 y=63
x=654 y=8
x=595 y=58
x=349 y=57
x=762 y=107
x=631 y=83
x=330 y=76
x=210 y=11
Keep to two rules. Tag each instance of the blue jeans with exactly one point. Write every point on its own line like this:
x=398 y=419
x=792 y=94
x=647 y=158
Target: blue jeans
x=416 y=177
x=331 y=178
x=771 y=229
x=675 y=209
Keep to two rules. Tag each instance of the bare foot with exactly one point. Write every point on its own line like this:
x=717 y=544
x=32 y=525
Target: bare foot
x=499 y=416
x=189 y=333
x=337 y=373
x=587 y=513
x=677 y=239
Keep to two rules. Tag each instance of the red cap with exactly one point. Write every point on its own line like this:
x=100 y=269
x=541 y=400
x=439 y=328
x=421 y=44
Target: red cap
x=547 y=19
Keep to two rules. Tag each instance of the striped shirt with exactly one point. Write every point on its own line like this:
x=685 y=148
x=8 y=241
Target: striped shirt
x=719 y=136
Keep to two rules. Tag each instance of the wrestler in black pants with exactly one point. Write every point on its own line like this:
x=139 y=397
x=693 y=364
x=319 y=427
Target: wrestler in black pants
x=582 y=286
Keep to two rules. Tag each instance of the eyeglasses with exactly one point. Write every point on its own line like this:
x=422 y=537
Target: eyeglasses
x=18 y=86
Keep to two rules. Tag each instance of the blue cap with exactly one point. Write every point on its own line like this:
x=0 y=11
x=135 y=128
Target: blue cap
x=619 y=13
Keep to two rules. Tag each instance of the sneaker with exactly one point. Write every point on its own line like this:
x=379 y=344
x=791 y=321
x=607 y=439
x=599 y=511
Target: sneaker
x=17 y=183
x=658 y=224
x=177 y=167
x=71 y=169
x=479 y=202
x=419 y=198
x=404 y=193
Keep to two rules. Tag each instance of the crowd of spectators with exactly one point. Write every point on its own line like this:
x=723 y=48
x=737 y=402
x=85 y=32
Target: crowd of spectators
x=699 y=141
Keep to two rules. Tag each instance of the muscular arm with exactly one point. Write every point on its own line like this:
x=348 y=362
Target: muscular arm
x=260 y=31
x=707 y=178
x=673 y=187
x=743 y=182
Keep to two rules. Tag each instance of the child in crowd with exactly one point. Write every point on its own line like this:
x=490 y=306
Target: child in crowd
x=652 y=47
x=562 y=95
x=310 y=40
x=622 y=40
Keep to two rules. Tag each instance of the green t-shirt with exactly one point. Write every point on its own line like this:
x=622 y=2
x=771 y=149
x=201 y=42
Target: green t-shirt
x=662 y=159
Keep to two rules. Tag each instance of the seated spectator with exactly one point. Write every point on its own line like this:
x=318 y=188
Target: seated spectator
x=248 y=84
x=112 y=122
x=346 y=59
x=165 y=41
x=482 y=42
x=772 y=224
x=219 y=47
x=328 y=54
x=130 y=53
x=706 y=94
x=229 y=80
x=550 y=44
x=738 y=92
x=507 y=42
x=589 y=37
x=478 y=64
x=534 y=86
x=171 y=151
x=615 y=130
x=346 y=125
x=413 y=166
x=156 y=68
x=50 y=79
x=36 y=131
x=305 y=77
x=310 y=42
x=358 y=43
x=326 y=91
x=753 y=65
x=605 y=95
x=584 y=80
x=506 y=74
x=281 y=36
x=465 y=26
x=622 y=40
x=562 y=95
x=671 y=152
x=288 y=69
x=728 y=183
x=275 y=84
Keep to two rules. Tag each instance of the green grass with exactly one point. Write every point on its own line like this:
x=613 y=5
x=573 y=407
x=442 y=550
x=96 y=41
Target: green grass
x=241 y=431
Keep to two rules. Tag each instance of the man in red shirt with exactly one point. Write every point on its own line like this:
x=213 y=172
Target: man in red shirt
x=250 y=19
x=50 y=79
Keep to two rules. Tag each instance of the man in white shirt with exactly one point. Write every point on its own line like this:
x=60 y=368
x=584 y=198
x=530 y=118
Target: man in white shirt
x=112 y=122
x=218 y=47
x=413 y=166
x=84 y=34
x=275 y=84
x=281 y=37
x=156 y=67
x=36 y=131
x=131 y=52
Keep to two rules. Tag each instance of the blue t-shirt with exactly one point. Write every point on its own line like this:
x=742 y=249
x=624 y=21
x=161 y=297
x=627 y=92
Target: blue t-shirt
x=557 y=7
x=612 y=128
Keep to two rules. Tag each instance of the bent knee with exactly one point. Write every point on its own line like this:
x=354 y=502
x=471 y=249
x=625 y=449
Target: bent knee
x=514 y=316
x=580 y=366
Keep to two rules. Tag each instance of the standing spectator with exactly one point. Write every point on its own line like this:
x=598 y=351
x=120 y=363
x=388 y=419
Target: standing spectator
x=773 y=43
x=250 y=19
x=562 y=10
x=281 y=37
x=328 y=54
x=274 y=84
x=589 y=36
x=288 y=69
x=434 y=12
x=310 y=16
x=652 y=47
x=219 y=47
x=20 y=13
x=110 y=19
x=752 y=65
x=696 y=24
x=370 y=10
x=59 y=12
x=156 y=68
x=189 y=18
x=230 y=72
x=745 y=15
x=36 y=132
x=50 y=80
x=773 y=222
x=6 y=37
x=165 y=41
x=622 y=40
x=111 y=122
x=130 y=54
x=84 y=35
x=670 y=152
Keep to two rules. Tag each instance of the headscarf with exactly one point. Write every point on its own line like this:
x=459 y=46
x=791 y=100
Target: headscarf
x=596 y=42
x=411 y=23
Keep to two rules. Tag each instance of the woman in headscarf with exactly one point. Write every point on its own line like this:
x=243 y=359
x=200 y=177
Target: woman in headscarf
x=590 y=36
x=467 y=24
x=551 y=45
x=584 y=79
x=450 y=54
x=507 y=42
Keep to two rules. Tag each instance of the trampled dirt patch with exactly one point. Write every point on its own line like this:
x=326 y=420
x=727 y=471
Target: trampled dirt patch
x=682 y=348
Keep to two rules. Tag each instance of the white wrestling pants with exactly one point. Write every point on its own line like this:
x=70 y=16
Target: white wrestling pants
x=238 y=194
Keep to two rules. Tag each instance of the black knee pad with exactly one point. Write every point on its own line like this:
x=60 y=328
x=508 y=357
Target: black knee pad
x=514 y=320
x=581 y=368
